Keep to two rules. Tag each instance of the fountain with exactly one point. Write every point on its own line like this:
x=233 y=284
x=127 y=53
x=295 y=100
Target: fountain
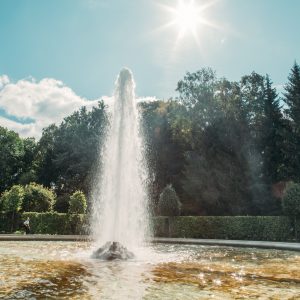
x=66 y=270
x=120 y=199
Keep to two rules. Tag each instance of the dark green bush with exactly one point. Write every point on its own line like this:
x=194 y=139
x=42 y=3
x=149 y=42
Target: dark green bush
x=38 y=198
x=169 y=203
x=77 y=203
x=291 y=200
x=12 y=199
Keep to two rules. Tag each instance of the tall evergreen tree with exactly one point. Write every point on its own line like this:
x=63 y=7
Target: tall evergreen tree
x=272 y=135
x=292 y=100
x=292 y=96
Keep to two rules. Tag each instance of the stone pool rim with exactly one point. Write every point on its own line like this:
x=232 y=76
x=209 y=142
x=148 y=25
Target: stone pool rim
x=290 y=246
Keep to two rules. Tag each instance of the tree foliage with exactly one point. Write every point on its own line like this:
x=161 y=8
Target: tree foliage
x=291 y=200
x=37 y=198
x=12 y=199
x=223 y=145
x=169 y=203
x=77 y=203
x=292 y=101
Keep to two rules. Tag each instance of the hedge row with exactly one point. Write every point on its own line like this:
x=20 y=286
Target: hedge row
x=47 y=223
x=259 y=228
x=235 y=228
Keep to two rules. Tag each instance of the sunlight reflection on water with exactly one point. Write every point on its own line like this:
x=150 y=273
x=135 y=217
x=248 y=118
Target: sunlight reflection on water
x=64 y=270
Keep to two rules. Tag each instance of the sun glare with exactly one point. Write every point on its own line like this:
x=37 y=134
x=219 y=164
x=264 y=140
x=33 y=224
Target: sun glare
x=187 y=17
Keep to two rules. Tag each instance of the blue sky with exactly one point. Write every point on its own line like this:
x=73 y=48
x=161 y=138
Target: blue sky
x=84 y=43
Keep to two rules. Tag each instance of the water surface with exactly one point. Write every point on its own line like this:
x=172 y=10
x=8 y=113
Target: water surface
x=64 y=270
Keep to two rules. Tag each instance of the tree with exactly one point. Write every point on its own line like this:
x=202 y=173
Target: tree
x=12 y=201
x=38 y=198
x=292 y=100
x=291 y=203
x=73 y=149
x=291 y=200
x=169 y=203
x=216 y=176
x=11 y=154
x=197 y=93
x=28 y=162
x=162 y=123
x=273 y=131
x=77 y=203
x=292 y=96
x=45 y=168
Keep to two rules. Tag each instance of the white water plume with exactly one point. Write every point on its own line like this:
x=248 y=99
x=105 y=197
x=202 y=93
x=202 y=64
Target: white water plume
x=119 y=195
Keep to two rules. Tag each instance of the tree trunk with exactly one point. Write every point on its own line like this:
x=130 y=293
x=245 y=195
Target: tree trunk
x=12 y=221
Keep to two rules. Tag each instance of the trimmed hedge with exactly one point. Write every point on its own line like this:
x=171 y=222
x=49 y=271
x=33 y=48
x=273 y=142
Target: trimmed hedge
x=267 y=228
x=47 y=223
x=56 y=223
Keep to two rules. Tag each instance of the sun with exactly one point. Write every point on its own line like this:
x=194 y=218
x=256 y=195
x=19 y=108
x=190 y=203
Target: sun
x=187 y=16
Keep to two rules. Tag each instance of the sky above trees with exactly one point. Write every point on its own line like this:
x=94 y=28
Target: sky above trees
x=58 y=55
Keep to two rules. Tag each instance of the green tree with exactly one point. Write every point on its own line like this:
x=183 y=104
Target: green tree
x=169 y=203
x=292 y=96
x=11 y=154
x=216 y=176
x=197 y=92
x=37 y=198
x=291 y=203
x=12 y=200
x=45 y=169
x=273 y=132
x=77 y=203
x=291 y=200
x=28 y=162
x=73 y=149
x=292 y=100
x=164 y=144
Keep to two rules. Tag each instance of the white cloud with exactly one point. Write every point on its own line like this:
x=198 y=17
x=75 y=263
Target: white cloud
x=3 y=80
x=146 y=99
x=25 y=130
x=46 y=101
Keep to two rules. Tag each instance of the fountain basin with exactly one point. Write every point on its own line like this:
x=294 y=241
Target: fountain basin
x=65 y=270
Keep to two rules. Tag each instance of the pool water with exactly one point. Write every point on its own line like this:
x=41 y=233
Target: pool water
x=64 y=270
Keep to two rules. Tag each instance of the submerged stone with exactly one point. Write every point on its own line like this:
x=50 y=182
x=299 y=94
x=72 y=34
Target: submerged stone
x=112 y=251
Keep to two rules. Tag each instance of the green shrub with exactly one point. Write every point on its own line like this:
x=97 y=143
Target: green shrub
x=261 y=228
x=38 y=198
x=291 y=200
x=56 y=223
x=169 y=204
x=77 y=203
x=12 y=199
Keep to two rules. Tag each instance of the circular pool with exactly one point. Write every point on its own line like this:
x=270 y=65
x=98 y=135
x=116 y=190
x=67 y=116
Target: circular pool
x=64 y=270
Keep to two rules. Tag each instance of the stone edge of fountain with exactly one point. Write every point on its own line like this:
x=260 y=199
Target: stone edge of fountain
x=291 y=246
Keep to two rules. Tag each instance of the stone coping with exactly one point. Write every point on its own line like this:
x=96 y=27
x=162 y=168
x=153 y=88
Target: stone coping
x=207 y=242
x=232 y=243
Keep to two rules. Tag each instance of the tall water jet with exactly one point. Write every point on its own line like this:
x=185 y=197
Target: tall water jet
x=119 y=196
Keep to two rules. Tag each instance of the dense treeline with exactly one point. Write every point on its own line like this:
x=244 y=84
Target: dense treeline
x=228 y=148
